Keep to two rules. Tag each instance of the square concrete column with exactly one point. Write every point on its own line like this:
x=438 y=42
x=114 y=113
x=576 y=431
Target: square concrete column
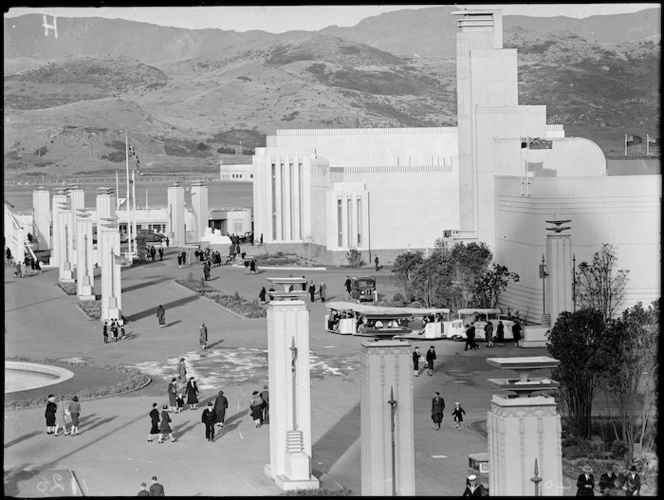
x=64 y=243
x=521 y=430
x=290 y=399
x=278 y=200
x=560 y=272
x=77 y=202
x=286 y=199
x=41 y=218
x=200 y=209
x=175 y=226
x=387 y=375
x=111 y=285
x=84 y=261
x=58 y=198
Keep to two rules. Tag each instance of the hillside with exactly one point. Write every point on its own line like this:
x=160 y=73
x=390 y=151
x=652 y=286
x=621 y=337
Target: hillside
x=69 y=111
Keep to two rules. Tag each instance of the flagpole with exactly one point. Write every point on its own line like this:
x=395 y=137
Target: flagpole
x=133 y=193
x=127 y=200
x=647 y=144
x=117 y=191
x=625 y=144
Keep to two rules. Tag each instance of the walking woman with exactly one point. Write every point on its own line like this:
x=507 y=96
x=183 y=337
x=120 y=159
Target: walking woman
x=256 y=407
x=154 y=420
x=161 y=315
x=61 y=419
x=172 y=395
x=458 y=414
x=75 y=411
x=192 y=394
x=51 y=409
x=164 y=427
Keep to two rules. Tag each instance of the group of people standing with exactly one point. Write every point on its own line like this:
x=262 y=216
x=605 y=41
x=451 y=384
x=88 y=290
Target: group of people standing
x=488 y=333
x=611 y=482
x=117 y=331
x=260 y=407
x=430 y=358
x=312 y=289
x=151 y=252
x=68 y=413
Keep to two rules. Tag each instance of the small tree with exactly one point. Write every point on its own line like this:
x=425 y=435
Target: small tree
x=630 y=379
x=405 y=273
x=354 y=257
x=491 y=284
x=578 y=341
x=599 y=285
x=469 y=263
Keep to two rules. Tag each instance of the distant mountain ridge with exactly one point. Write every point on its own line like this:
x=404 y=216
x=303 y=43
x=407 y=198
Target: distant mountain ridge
x=189 y=98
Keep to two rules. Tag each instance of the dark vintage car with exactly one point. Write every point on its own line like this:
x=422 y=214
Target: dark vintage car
x=363 y=288
x=150 y=236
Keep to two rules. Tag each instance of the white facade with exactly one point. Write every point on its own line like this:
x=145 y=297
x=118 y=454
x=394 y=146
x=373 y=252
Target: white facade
x=396 y=189
x=236 y=173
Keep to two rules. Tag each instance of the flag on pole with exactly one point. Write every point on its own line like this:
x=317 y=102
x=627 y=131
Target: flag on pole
x=633 y=140
x=132 y=152
x=653 y=140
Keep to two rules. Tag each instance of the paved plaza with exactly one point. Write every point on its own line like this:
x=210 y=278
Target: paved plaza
x=111 y=455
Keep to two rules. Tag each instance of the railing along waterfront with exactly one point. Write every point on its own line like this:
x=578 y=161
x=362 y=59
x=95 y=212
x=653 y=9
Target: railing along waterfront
x=110 y=181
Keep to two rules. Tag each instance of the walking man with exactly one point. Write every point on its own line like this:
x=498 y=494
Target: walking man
x=105 y=332
x=321 y=290
x=161 y=253
x=208 y=418
x=437 y=407
x=470 y=338
x=416 y=361
x=488 y=331
x=516 y=333
x=376 y=262
x=161 y=316
x=312 y=291
x=203 y=336
x=431 y=356
x=347 y=287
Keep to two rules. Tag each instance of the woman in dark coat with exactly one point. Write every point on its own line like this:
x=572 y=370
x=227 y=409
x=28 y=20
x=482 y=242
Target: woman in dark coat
x=154 y=417
x=161 y=316
x=437 y=408
x=256 y=407
x=500 y=333
x=164 y=427
x=51 y=409
x=192 y=394
x=516 y=333
x=261 y=295
x=585 y=484
x=172 y=394
x=220 y=405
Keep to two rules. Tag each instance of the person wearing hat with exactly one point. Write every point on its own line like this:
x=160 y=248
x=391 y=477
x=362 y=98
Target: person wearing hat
x=609 y=482
x=154 y=422
x=164 y=428
x=256 y=407
x=144 y=491
x=437 y=407
x=74 y=411
x=203 y=338
x=265 y=396
x=156 y=489
x=208 y=418
x=431 y=357
x=416 y=361
x=220 y=405
x=632 y=482
x=585 y=484
x=51 y=409
x=473 y=489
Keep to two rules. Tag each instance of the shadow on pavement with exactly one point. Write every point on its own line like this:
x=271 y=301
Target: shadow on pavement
x=212 y=345
x=153 y=310
x=98 y=423
x=330 y=448
x=22 y=438
x=144 y=284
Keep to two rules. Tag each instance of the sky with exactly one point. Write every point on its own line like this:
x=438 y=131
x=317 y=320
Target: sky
x=302 y=17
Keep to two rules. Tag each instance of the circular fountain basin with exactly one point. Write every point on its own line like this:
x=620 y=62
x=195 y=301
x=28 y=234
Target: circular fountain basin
x=22 y=376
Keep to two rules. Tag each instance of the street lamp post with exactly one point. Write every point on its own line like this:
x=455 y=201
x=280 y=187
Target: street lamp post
x=393 y=409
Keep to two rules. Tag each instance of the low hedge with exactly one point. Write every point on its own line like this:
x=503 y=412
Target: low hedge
x=91 y=307
x=235 y=303
x=68 y=288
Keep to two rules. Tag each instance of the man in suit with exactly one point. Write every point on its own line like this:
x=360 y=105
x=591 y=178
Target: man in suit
x=220 y=405
x=265 y=396
x=585 y=485
x=609 y=482
x=208 y=418
x=144 y=491
x=437 y=407
x=632 y=482
x=156 y=489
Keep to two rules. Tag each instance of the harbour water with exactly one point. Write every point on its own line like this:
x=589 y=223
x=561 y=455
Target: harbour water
x=221 y=195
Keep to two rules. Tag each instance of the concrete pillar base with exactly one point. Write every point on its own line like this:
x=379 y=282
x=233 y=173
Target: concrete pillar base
x=534 y=336
x=86 y=297
x=287 y=484
x=297 y=466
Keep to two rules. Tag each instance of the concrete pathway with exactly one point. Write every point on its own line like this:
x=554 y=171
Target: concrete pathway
x=111 y=455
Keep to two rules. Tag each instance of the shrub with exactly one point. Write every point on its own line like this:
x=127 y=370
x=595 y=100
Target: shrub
x=68 y=288
x=619 y=449
x=398 y=298
x=235 y=302
x=91 y=307
x=354 y=257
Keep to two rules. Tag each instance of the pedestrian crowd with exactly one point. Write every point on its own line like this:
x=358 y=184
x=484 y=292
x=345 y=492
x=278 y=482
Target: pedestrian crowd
x=613 y=482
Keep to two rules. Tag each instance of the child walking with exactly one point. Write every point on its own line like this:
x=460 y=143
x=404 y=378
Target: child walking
x=458 y=414
x=74 y=411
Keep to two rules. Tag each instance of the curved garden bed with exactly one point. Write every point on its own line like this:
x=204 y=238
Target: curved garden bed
x=89 y=382
x=235 y=303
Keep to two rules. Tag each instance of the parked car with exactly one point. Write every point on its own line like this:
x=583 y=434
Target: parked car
x=150 y=236
x=363 y=288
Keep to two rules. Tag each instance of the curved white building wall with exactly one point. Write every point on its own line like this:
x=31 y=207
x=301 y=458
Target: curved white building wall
x=622 y=211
